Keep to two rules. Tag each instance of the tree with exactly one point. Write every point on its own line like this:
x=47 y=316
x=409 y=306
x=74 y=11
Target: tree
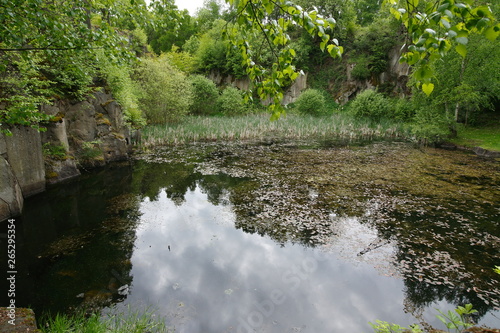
x=168 y=26
x=273 y=19
x=165 y=92
x=472 y=83
x=435 y=27
x=47 y=45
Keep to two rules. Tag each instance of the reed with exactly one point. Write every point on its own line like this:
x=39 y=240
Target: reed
x=250 y=127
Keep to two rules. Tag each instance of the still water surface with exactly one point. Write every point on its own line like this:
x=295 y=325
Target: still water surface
x=214 y=243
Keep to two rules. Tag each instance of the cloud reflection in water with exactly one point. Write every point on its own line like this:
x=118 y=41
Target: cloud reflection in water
x=215 y=278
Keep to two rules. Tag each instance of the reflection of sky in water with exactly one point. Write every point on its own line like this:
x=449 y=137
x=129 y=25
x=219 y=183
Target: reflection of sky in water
x=216 y=278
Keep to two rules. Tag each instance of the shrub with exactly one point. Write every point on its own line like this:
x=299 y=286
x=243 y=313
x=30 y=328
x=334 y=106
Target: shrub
x=403 y=109
x=123 y=89
x=431 y=125
x=165 y=92
x=205 y=95
x=361 y=71
x=370 y=104
x=311 y=102
x=231 y=102
x=184 y=61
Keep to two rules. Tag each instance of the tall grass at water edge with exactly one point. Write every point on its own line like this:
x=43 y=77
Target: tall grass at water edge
x=127 y=322
x=342 y=127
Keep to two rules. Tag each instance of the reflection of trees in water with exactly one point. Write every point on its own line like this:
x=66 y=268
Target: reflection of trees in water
x=79 y=238
x=446 y=237
x=444 y=252
x=173 y=178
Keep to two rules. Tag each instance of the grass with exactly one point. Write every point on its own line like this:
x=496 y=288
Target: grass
x=338 y=126
x=128 y=322
x=484 y=137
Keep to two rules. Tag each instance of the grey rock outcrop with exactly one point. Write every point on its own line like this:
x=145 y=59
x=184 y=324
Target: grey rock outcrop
x=24 y=154
x=22 y=171
x=81 y=134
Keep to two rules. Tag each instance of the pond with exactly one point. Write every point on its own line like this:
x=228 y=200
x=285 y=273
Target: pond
x=274 y=237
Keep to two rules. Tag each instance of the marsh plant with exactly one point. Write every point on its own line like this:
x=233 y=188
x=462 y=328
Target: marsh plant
x=338 y=127
x=126 y=322
x=455 y=321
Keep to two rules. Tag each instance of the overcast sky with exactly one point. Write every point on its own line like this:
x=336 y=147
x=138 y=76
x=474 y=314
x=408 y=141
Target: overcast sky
x=191 y=5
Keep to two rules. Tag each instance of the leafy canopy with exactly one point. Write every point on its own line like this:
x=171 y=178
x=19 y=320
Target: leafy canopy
x=436 y=27
x=272 y=19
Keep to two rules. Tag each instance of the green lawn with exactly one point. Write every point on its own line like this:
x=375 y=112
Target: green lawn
x=485 y=137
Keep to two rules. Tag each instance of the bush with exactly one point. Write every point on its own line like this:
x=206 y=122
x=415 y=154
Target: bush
x=370 y=104
x=403 y=110
x=311 y=102
x=231 y=102
x=165 y=92
x=123 y=89
x=431 y=125
x=361 y=71
x=205 y=95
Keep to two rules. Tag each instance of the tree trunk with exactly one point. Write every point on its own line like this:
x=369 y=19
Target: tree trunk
x=457 y=107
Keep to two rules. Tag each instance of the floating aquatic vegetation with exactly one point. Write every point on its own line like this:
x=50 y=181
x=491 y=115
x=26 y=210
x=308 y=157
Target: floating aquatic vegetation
x=431 y=213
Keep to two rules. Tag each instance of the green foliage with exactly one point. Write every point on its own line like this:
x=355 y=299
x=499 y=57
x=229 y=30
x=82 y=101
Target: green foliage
x=370 y=104
x=343 y=11
x=430 y=124
x=272 y=20
x=472 y=86
x=371 y=47
x=339 y=127
x=215 y=54
x=22 y=91
x=311 y=102
x=435 y=28
x=208 y=14
x=366 y=10
x=47 y=51
x=71 y=78
x=361 y=71
x=165 y=92
x=57 y=152
x=205 y=95
x=168 y=26
x=183 y=60
x=402 y=110
x=231 y=102
x=89 y=152
x=123 y=89
x=497 y=269
x=458 y=319
x=130 y=322
x=385 y=327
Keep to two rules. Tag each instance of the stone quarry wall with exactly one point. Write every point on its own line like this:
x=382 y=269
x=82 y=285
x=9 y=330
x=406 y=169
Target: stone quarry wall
x=291 y=95
x=82 y=135
x=396 y=73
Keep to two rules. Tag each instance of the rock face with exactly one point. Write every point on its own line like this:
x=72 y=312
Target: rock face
x=24 y=154
x=291 y=95
x=396 y=73
x=83 y=134
x=22 y=171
